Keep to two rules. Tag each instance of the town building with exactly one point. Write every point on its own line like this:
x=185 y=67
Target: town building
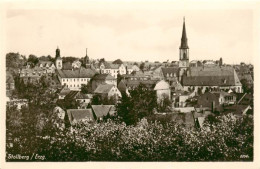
x=77 y=115
x=108 y=90
x=74 y=79
x=101 y=111
x=163 y=90
x=103 y=79
x=112 y=69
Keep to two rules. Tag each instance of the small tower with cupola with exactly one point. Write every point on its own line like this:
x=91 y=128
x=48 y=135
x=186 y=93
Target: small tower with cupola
x=58 y=60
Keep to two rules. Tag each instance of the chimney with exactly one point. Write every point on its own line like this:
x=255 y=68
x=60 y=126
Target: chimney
x=86 y=51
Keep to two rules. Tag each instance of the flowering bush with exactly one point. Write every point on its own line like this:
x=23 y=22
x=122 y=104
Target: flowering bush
x=226 y=140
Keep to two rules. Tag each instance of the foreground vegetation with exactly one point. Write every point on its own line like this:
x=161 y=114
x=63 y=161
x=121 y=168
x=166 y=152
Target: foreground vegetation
x=228 y=139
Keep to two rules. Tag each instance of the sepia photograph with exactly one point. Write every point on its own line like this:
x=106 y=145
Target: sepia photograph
x=129 y=82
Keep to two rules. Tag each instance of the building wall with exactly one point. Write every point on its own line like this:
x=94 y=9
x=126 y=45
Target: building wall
x=238 y=89
x=161 y=94
x=74 y=83
x=114 y=92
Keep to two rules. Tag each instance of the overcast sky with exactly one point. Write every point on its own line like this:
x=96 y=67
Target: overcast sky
x=130 y=32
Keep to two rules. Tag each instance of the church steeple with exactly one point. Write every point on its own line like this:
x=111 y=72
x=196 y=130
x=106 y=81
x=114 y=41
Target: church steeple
x=184 y=40
x=184 y=52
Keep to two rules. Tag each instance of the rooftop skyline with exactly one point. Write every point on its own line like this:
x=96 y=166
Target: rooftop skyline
x=131 y=32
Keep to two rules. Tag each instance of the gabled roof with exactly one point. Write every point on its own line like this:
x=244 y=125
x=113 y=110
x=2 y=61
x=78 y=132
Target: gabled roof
x=170 y=70
x=75 y=115
x=103 y=77
x=103 y=110
x=78 y=73
x=103 y=88
x=64 y=91
x=76 y=95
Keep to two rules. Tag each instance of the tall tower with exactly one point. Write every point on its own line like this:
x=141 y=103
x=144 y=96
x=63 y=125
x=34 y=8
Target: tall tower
x=184 y=52
x=87 y=63
x=58 y=60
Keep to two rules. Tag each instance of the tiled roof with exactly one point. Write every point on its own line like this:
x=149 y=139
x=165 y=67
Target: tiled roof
x=76 y=95
x=64 y=91
x=103 y=88
x=102 y=110
x=236 y=109
x=78 y=73
x=170 y=70
x=136 y=83
x=79 y=114
x=67 y=66
x=211 y=71
x=103 y=77
x=210 y=81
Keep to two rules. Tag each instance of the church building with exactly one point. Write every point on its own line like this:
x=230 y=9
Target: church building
x=217 y=77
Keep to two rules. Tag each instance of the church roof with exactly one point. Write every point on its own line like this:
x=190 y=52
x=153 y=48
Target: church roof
x=210 y=81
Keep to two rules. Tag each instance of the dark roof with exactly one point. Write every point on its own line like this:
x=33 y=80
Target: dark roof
x=103 y=110
x=76 y=95
x=210 y=81
x=78 y=73
x=103 y=88
x=64 y=91
x=136 y=83
x=170 y=70
x=236 y=109
x=184 y=40
x=211 y=71
x=103 y=77
x=79 y=114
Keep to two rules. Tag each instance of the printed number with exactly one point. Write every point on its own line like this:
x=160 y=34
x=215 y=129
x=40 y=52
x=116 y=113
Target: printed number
x=244 y=156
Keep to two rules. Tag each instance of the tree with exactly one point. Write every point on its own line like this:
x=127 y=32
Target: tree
x=142 y=66
x=220 y=62
x=68 y=59
x=119 y=78
x=164 y=105
x=141 y=104
x=33 y=59
x=117 y=61
x=84 y=89
x=96 y=100
x=15 y=60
